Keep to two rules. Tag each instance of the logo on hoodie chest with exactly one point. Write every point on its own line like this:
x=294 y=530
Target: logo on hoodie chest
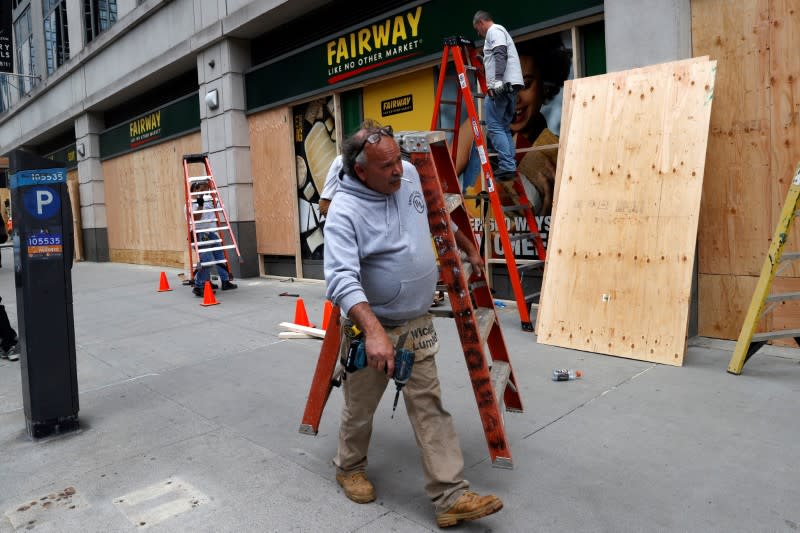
x=417 y=201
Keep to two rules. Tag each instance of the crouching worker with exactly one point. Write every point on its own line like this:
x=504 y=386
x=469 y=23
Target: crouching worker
x=381 y=270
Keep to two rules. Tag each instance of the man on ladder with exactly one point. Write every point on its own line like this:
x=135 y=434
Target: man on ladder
x=205 y=218
x=504 y=79
x=381 y=271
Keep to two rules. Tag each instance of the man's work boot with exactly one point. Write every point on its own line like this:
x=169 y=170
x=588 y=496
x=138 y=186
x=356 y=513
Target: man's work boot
x=357 y=487
x=470 y=506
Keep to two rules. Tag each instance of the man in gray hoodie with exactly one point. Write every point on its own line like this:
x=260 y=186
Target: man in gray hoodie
x=381 y=271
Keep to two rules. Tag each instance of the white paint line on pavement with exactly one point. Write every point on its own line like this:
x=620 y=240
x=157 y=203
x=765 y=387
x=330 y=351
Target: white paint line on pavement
x=119 y=383
x=161 y=501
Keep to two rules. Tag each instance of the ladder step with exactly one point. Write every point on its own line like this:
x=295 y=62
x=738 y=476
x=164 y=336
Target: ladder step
x=209 y=230
x=485 y=318
x=209 y=263
x=214 y=210
x=209 y=243
x=195 y=158
x=522 y=236
x=778 y=334
x=501 y=372
x=467 y=268
x=192 y=179
x=440 y=311
x=226 y=247
x=792 y=256
x=201 y=193
x=785 y=297
x=536 y=263
x=531 y=297
x=452 y=201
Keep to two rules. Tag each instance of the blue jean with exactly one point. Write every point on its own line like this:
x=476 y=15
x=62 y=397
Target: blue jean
x=203 y=274
x=499 y=112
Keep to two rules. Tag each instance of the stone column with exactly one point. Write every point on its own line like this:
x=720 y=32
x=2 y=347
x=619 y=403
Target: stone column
x=226 y=138
x=646 y=32
x=92 y=188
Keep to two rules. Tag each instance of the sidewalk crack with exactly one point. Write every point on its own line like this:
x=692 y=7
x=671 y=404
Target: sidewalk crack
x=590 y=400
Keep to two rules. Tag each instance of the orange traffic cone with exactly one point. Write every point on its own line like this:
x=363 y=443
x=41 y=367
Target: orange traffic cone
x=163 y=285
x=208 y=295
x=300 y=316
x=326 y=314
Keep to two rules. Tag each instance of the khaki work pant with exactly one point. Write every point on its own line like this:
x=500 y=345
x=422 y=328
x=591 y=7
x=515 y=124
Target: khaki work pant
x=436 y=436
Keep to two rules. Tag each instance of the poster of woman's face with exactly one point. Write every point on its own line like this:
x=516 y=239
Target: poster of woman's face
x=546 y=63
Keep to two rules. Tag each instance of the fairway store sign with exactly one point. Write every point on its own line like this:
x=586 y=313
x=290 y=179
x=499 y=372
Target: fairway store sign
x=395 y=41
x=166 y=122
x=376 y=45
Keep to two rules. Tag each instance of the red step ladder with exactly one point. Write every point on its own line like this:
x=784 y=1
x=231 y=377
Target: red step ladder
x=222 y=226
x=472 y=306
x=465 y=59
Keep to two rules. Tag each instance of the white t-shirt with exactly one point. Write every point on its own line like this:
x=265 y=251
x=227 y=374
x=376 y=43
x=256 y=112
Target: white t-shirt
x=332 y=179
x=497 y=35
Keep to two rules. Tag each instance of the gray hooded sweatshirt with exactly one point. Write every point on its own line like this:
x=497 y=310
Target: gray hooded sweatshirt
x=378 y=250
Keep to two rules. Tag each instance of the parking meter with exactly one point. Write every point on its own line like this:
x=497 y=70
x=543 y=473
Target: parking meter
x=43 y=244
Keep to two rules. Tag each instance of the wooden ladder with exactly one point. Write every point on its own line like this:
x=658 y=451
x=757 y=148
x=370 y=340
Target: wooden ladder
x=749 y=341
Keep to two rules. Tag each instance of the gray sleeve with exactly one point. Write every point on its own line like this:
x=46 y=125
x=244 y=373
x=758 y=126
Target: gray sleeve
x=500 y=54
x=342 y=262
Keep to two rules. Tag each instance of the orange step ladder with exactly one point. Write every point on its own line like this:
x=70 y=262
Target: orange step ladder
x=472 y=307
x=465 y=59
x=222 y=227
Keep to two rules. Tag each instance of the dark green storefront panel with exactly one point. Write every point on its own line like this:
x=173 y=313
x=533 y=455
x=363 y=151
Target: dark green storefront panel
x=594 y=48
x=66 y=155
x=352 y=111
x=171 y=120
x=405 y=38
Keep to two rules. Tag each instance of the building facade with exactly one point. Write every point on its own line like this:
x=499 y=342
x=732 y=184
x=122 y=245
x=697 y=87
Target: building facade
x=119 y=90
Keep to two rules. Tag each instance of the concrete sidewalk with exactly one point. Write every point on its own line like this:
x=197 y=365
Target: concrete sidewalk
x=190 y=421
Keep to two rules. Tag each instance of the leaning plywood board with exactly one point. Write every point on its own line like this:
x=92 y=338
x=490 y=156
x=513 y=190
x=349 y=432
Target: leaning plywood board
x=622 y=246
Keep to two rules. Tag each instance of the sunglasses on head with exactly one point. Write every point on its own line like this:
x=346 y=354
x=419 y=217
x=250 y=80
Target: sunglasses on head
x=374 y=137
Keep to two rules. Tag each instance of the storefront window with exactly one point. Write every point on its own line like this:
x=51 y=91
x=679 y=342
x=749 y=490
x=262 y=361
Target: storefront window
x=26 y=53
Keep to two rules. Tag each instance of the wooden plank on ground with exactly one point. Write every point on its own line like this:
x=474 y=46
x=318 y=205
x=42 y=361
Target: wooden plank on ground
x=314 y=332
x=294 y=335
x=623 y=242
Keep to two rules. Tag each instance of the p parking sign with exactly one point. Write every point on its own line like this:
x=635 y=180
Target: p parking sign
x=41 y=202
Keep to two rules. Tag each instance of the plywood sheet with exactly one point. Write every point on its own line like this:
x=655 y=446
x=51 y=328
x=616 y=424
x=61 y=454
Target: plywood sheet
x=274 y=182
x=75 y=203
x=624 y=237
x=145 y=204
x=723 y=301
x=784 y=69
x=735 y=222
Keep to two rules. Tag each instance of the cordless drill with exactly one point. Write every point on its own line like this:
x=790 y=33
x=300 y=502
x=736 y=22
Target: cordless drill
x=403 y=361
